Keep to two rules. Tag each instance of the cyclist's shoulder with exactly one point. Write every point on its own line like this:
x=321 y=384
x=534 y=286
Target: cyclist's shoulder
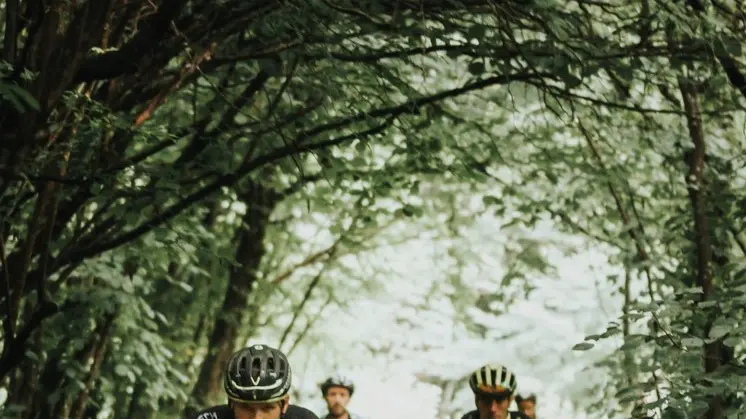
x=299 y=412
x=216 y=412
x=474 y=414
x=225 y=412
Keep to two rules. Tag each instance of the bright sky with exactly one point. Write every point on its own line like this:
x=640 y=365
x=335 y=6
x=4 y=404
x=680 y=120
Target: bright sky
x=560 y=313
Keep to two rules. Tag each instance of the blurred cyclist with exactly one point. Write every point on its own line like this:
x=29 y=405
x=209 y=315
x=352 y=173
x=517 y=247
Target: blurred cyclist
x=527 y=405
x=337 y=391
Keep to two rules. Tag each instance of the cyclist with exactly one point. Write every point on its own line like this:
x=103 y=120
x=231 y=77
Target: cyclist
x=493 y=389
x=257 y=383
x=337 y=391
x=527 y=405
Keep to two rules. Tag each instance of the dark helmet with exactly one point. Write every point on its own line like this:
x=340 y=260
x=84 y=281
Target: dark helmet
x=530 y=398
x=257 y=374
x=489 y=380
x=337 y=381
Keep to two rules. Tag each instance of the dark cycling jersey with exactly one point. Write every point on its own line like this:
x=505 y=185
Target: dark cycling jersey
x=225 y=412
x=349 y=416
x=474 y=414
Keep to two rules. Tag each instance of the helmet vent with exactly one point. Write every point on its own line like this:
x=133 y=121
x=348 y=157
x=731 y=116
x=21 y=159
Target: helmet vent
x=256 y=368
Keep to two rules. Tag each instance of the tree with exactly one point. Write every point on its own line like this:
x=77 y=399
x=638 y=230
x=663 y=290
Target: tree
x=129 y=126
x=100 y=74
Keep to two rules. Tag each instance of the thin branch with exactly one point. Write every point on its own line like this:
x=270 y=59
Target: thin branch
x=309 y=260
x=306 y=297
x=413 y=106
x=8 y=174
x=560 y=92
x=309 y=324
x=178 y=79
x=143 y=155
x=200 y=142
x=632 y=230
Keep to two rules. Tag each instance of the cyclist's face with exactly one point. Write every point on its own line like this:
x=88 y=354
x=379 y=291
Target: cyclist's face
x=495 y=407
x=336 y=400
x=259 y=410
x=528 y=408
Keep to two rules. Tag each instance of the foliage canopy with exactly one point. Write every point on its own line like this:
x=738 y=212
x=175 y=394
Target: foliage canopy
x=159 y=159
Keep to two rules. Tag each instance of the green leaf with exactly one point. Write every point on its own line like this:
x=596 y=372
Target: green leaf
x=571 y=81
x=583 y=346
x=654 y=404
x=24 y=95
x=733 y=341
x=730 y=45
x=121 y=370
x=691 y=360
x=692 y=290
x=127 y=286
x=720 y=330
x=32 y=356
x=476 y=68
x=476 y=31
x=11 y=98
x=692 y=341
x=490 y=200
x=411 y=211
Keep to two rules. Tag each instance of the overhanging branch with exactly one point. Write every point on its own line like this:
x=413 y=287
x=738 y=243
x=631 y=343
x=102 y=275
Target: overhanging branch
x=289 y=150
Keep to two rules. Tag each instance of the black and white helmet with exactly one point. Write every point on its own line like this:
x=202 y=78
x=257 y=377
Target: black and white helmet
x=489 y=380
x=257 y=374
x=337 y=381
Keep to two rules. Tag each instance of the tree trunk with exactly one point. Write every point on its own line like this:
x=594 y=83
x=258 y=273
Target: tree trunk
x=696 y=185
x=133 y=408
x=25 y=379
x=97 y=355
x=249 y=237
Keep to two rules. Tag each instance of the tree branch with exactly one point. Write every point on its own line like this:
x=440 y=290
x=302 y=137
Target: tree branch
x=126 y=60
x=287 y=151
x=10 y=39
x=413 y=106
x=298 y=310
x=13 y=352
x=309 y=325
x=309 y=260
x=200 y=142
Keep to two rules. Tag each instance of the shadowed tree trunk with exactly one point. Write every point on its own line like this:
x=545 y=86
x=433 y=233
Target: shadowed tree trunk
x=696 y=184
x=54 y=380
x=134 y=408
x=97 y=357
x=260 y=202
